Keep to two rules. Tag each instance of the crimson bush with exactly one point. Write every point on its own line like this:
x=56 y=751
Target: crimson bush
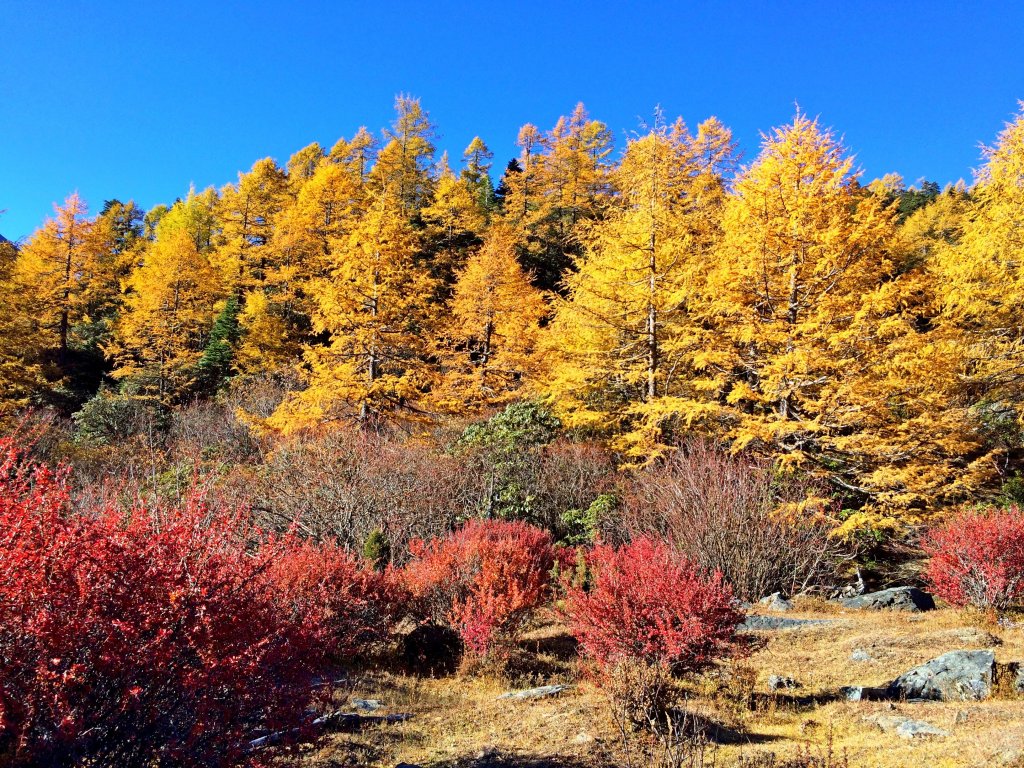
x=483 y=580
x=651 y=605
x=977 y=558
x=162 y=637
x=357 y=605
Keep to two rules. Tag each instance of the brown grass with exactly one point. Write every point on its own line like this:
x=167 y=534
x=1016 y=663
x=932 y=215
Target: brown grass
x=459 y=721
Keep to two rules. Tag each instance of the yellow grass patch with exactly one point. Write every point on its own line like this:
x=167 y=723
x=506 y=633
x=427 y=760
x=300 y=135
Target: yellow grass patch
x=459 y=721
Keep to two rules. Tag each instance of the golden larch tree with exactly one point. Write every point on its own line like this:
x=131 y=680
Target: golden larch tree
x=563 y=184
x=247 y=213
x=625 y=339
x=979 y=291
x=20 y=373
x=455 y=222
x=375 y=306
x=172 y=301
x=66 y=275
x=803 y=276
x=489 y=350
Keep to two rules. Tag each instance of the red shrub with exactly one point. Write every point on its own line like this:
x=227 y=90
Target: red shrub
x=164 y=636
x=977 y=558
x=357 y=605
x=483 y=580
x=649 y=604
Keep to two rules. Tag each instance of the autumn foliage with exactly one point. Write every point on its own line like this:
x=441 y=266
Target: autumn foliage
x=357 y=605
x=648 y=604
x=862 y=334
x=168 y=633
x=977 y=558
x=482 y=580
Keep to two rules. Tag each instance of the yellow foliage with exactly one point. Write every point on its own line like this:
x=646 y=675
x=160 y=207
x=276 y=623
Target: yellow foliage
x=247 y=212
x=267 y=343
x=20 y=372
x=786 y=311
x=171 y=303
x=563 y=184
x=625 y=342
x=65 y=276
x=374 y=309
x=489 y=349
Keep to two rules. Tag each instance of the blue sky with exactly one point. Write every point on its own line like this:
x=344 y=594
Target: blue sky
x=139 y=100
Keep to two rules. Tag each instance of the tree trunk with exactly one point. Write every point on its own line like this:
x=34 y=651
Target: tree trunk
x=652 y=323
x=372 y=362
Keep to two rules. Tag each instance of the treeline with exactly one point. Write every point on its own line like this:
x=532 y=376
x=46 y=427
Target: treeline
x=868 y=335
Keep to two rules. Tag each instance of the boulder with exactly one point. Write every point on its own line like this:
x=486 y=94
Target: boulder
x=757 y=623
x=776 y=602
x=953 y=676
x=367 y=705
x=859 y=654
x=895 y=599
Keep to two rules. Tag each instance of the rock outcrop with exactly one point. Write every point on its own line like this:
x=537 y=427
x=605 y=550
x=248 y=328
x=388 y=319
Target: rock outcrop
x=895 y=599
x=953 y=676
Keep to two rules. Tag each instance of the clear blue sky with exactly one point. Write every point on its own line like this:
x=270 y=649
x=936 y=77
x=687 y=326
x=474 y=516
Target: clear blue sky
x=138 y=100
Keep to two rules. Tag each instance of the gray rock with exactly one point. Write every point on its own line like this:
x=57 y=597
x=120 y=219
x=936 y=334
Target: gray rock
x=895 y=599
x=757 y=623
x=1017 y=670
x=535 y=693
x=906 y=728
x=367 y=705
x=916 y=729
x=864 y=693
x=859 y=654
x=953 y=676
x=780 y=682
x=776 y=602
x=852 y=692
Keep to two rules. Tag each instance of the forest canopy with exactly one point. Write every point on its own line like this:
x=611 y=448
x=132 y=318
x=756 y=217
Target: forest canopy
x=865 y=334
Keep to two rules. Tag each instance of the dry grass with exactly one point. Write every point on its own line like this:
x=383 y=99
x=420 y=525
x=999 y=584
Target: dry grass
x=459 y=721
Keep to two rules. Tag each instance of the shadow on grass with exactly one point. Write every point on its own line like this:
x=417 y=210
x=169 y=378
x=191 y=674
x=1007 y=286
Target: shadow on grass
x=561 y=646
x=717 y=733
x=794 y=702
x=509 y=760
